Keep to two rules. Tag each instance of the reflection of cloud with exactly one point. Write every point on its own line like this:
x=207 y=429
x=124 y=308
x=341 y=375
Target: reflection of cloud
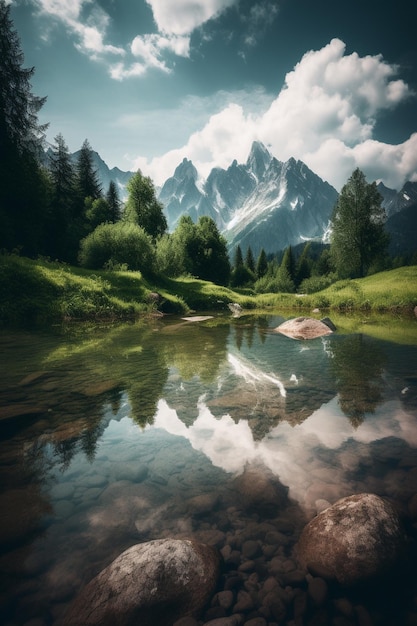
x=291 y=452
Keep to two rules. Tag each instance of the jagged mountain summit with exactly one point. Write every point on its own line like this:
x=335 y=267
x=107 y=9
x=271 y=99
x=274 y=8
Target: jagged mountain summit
x=263 y=203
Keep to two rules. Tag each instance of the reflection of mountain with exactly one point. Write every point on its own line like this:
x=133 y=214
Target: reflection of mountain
x=312 y=459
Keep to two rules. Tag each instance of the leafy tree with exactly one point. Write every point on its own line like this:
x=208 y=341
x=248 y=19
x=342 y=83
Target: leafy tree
x=242 y=277
x=185 y=244
x=261 y=264
x=22 y=206
x=97 y=211
x=211 y=261
x=123 y=243
x=249 y=260
x=358 y=236
x=113 y=200
x=143 y=208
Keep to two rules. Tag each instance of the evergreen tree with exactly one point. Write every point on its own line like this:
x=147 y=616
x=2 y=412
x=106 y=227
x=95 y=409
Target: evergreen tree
x=238 y=261
x=303 y=269
x=143 y=208
x=249 y=260
x=358 y=236
x=62 y=173
x=113 y=200
x=88 y=184
x=23 y=207
x=211 y=261
x=261 y=264
x=288 y=263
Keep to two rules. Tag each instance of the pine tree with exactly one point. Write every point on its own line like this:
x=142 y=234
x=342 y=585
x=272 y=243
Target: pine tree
x=238 y=260
x=249 y=260
x=114 y=203
x=22 y=206
x=261 y=264
x=303 y=269
x=358 y=236
x=88 y=184
x=62 y=175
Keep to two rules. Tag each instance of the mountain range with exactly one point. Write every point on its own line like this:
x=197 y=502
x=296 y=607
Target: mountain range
x=266 y=203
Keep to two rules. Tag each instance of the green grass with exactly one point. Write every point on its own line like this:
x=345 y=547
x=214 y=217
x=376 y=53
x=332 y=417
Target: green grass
x=40 y=291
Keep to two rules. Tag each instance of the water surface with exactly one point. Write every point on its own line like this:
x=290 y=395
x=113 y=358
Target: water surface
x=115 y=435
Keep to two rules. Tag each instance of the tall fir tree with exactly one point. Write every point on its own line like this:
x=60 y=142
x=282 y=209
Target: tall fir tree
x=249 y=260
x=88 y=183
x=261 y=264
x=238 y=260
x=114 y=203
x=62 y=175
x=358 y=236
x=23 y=206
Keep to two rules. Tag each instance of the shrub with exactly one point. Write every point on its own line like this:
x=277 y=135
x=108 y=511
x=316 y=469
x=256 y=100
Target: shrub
x=121 y=244
x=316 y=283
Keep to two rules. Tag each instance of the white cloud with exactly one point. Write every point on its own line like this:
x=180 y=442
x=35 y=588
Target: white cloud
x=90 y=32
x=184 y=16
x=324 y=115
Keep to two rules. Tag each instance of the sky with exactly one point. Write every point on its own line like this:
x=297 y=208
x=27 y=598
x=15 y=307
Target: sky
x=150 y=82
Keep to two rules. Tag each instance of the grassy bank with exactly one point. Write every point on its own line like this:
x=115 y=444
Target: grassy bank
x=40 y=291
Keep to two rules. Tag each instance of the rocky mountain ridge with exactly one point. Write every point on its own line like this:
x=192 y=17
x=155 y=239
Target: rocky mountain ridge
x=266 y=203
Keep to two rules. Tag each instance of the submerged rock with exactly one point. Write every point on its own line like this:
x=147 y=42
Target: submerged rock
x=148 y=584
x=305 y=328
x=358 y=539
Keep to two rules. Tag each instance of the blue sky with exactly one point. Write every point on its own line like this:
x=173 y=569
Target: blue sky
x=149 y=82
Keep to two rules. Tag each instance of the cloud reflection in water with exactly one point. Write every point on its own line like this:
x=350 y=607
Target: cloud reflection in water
x=321 y=458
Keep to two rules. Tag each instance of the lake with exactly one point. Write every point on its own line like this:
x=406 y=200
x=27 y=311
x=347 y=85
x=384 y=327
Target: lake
x=113 y=435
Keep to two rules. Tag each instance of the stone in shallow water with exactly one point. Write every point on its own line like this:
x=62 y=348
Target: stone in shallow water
x=149 y=584
x=304 y=328
x=358 y=539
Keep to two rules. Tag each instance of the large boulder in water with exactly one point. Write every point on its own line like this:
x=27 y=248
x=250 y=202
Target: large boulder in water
x=151 y=583
x=358 y=539
x=305 y=328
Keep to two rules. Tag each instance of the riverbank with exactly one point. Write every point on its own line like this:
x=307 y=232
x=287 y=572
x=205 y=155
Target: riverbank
x=42 y=292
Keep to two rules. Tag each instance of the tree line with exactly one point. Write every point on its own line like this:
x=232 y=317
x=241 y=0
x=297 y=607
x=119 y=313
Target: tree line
x=57 y=209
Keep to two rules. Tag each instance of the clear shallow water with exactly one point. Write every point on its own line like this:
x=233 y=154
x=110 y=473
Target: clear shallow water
x=116 y=435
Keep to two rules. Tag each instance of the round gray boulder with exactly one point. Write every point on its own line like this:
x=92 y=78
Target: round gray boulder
x=304 y=328
x=151 y=583
x=358 y=539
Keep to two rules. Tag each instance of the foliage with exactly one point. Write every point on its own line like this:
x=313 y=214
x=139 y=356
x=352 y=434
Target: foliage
x=143 y=208
x=210 y=260
x=358 y=237
x=316 y=283
x=120 y=243
x=242 y=276
x=97 y=212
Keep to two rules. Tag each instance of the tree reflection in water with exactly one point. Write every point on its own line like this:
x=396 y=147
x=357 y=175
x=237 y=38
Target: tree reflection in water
x=357 y=365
